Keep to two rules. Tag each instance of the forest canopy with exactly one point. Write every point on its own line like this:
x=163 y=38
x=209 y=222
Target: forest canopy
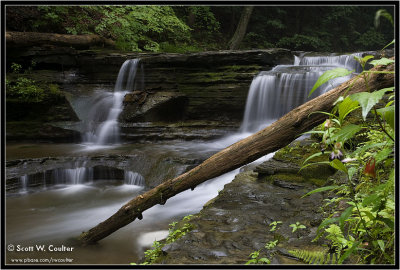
x=197 y=28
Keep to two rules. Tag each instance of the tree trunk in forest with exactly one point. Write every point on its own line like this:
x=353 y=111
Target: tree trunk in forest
x=241 y=28
x=28 y=39
x=270 y=139
x=191 y=19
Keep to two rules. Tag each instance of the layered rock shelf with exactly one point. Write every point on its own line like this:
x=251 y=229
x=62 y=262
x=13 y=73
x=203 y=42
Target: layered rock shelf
x=204 y=86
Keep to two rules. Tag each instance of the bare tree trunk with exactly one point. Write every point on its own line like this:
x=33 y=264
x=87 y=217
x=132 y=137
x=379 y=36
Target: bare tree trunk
x=241 y=28
x=268 y=140
x=24 y=39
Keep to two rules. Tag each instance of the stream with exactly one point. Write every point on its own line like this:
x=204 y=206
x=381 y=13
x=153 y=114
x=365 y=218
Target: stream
x=53 y=213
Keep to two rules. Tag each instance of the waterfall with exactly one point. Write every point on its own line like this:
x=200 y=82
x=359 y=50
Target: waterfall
x=133 y=178
x=79 y=174
x=101 y=126
x=24 y=183
x=74 y=176
x=276 y=92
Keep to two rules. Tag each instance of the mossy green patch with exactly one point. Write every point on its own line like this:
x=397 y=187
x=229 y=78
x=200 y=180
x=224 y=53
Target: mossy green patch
x=297 y=152
x=296 y=178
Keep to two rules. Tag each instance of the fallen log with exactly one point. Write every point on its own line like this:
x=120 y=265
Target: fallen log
x=28 y=39
x=268 y=140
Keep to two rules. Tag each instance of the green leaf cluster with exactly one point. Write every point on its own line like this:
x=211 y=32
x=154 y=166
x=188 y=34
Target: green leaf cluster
x=26 y=90
x=365 y=229
x=152 y=255
x=314 y=257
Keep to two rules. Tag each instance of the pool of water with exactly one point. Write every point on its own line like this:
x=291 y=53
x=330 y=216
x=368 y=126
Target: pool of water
x=55 y=216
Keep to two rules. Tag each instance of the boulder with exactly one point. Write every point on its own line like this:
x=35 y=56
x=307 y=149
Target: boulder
x=151 y=107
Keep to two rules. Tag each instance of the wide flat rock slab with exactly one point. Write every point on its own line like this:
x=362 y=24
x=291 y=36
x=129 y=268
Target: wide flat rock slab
x=237 y=222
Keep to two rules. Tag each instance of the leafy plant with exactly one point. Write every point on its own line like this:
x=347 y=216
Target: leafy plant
x=314 y=257
x=27 y=90
x=365 y=229
x=255 y=260
x=271 y=244
x=274 y=225
x=174 y=234
x=297 y=226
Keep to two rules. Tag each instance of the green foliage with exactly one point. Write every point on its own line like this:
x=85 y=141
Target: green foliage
x=314 y=257
x=255 y=40
x=145 y=27
x=255 y=260
x=365 y=229
x=205 y=21
x=303 y=42
x=16 y=68
x=329 y=75
x=371 y=39
x=274 y=225
x=382 y=62
x=346 y=133
x=27 y=90
x=321 y=189
x=178 y=48
x=135 y=28
x=297 y=226
x=152 y=255
x=382 y=13
x=368 y=100
x=271 y=244
x=387 y=113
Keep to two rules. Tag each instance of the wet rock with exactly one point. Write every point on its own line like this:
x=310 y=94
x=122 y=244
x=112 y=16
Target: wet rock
x=287 y=164
x=284 y=184
x=275 y=166
x=39 y=132
x=57 y=109
x=170 y=247
x=154 y=168
x=183 y=130
x=214 y=83
x=217 y=253
x=236 y=223
x=152 y=107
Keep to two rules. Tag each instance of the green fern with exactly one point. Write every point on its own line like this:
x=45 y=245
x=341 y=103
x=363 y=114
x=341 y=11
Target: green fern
x=314 y=257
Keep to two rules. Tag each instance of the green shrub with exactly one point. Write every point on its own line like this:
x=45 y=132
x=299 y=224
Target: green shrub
x=29 y=91
x=303 y=42
x=371 y=40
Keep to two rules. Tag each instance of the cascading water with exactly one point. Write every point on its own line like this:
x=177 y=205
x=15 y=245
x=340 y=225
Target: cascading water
x=276 y=92
x=79 y=175
x=101 y=124
x=24 y=183
x=74 y=176
x=133 y=178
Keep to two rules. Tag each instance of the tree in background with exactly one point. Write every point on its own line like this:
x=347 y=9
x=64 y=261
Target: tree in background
x=195 y=28
x=241 y=28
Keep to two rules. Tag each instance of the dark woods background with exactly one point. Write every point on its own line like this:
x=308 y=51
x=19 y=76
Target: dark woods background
x=199 y=28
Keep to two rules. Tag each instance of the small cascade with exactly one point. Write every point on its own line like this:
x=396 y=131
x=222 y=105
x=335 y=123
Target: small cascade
x=24 y=183
x=74 y=176
x=79 y=174
x=276 y=92
x=101 y=124
x=133 y=178
x=346 y=61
